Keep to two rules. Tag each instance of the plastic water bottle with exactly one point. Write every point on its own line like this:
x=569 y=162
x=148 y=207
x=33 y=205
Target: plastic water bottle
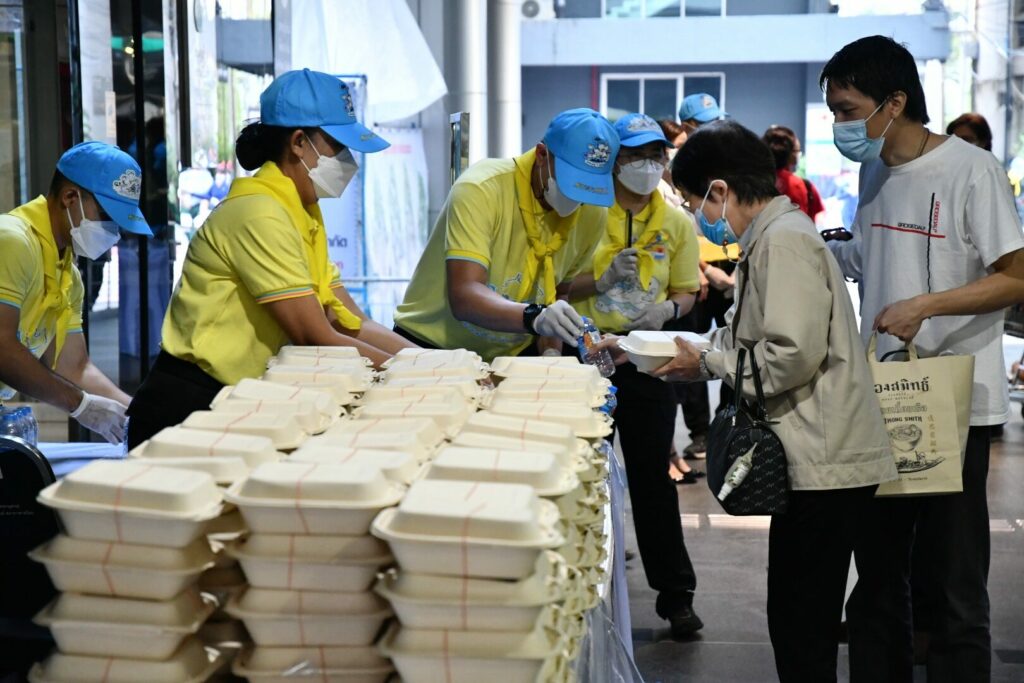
x=9 y=423
x=585 y=345
x=611 y=402
x=29 y=426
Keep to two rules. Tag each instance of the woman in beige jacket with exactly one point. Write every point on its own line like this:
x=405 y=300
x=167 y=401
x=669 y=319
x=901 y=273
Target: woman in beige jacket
x=795 y=316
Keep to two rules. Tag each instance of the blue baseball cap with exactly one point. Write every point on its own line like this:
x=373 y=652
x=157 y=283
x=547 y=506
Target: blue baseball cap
x=636 y=130
x=113 y=177
x=584 y=145
x=311 y=99
x=701 y=107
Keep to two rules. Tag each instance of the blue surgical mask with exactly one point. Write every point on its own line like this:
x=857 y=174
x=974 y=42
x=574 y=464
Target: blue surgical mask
x=719 y=232
x=852 y=141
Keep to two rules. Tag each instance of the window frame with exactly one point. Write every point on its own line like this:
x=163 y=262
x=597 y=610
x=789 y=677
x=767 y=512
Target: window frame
x=643 y=10
x=679 y=77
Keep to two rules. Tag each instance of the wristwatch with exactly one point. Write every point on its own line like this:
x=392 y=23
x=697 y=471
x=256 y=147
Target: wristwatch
x=530 y=314
x=675 y=310
x=702 y=364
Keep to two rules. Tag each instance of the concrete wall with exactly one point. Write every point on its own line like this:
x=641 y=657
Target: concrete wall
x=549 y=90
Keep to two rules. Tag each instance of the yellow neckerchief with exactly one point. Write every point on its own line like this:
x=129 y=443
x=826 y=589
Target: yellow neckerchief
x=712 y=253
x=542 y=253
x=307 y=221
x=57 y=275
x=654 y=215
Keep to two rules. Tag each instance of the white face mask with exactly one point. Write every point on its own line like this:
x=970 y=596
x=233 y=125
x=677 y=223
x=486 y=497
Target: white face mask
x=92 y=239
x=331 y=175
x=641 y=176
x=562 y=205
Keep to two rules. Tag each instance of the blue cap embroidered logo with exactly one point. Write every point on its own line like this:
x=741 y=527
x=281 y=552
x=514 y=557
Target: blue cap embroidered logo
x=598 y=153
x=129 y=185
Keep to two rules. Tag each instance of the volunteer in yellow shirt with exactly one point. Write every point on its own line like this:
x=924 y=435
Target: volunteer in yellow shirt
x=94 y=192
x=509 y=239
x=257 y=274
x=645 y=274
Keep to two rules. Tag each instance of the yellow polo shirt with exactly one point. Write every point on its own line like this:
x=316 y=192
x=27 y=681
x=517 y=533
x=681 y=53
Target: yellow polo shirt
x=23 y=279
x=481 y=222
x=675 y=252
x=247 y=253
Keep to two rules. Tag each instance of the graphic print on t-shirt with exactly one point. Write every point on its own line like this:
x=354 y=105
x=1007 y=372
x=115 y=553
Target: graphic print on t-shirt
x=931 y=230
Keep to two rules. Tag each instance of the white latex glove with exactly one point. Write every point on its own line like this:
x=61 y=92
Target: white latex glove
x=623 y=266
x=653 y=317
x=559 y=320
x=105 y=416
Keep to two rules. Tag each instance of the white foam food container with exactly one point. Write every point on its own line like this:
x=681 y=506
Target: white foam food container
x=584 y=421
x=120 y=569
x=348 y=365
x=427 y=366
x=397 y=466
x=448 y=416
x=373 y=440
x=423 y=656
x=282 y=430
x=382 y=393
x=525 y=428
x=310 y=498
x=225 y=470
x=543 y=389
x=304 y=411
x=282 y=618
x=326 y=563
x=262 y=390
x=424 y=431
x=573 y=461
x=547 y=366
x=649 y=350
x=327 y=352
x=352 y=378
x=469 y=386
x=190 y=663
x=502 y=363
x=122 y=627
x=182 y=442
x=539 y=470
x=320 y=664
x=132 y=501
x=475 y=529
x=447 y=355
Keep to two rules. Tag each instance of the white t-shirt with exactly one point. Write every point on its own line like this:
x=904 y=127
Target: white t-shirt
x=950 y=214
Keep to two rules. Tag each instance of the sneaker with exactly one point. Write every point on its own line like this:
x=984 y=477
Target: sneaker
x=684 y=623
x=697 y=450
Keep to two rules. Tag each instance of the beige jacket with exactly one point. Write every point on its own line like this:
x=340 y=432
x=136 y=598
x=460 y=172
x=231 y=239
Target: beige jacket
x=797 y=316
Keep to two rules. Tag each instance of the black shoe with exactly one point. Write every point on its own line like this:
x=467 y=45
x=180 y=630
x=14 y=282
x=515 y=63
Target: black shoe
x=684 y=623
x=697 y=449
x=687 y=478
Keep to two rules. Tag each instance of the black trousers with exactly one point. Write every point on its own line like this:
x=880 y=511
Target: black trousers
x=953 y=533
x=809 y=549
x=172 y=391
x=645 y=420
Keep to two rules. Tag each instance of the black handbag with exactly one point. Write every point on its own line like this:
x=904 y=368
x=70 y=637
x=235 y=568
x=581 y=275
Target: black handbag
x=740 y=429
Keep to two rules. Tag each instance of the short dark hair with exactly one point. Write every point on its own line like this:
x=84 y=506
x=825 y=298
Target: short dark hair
x=57 y=183
x=726 y=150
x=782 y=142
x=259 y=143
x=978 y=125
x=878 y=67
x=671 y=129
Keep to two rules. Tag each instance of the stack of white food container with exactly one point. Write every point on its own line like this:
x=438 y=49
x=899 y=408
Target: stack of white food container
x=478 y=592
x=310 y=562
x=127 y=568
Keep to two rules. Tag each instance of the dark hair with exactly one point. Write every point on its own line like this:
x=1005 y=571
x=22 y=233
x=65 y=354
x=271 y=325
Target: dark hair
x=671 y=129
x=726 y=150
x=57 y=183
x=977 y=124
x=259 y=143
x=782 y=142
x=878 y=67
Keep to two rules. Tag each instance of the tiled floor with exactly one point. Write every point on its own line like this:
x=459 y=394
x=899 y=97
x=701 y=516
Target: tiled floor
x=730 y=556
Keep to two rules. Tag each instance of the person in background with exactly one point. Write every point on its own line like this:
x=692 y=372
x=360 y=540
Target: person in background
x=94 y=192
x=972 y=128
x=257 y=274
x=508 y=242
x=785 y=149
x=937 y=246
x=713 y=300
x=644 y=274
x=795 y=317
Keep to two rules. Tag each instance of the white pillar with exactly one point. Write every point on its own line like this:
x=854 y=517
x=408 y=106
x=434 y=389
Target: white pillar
x=504 y=71
x=465 y=68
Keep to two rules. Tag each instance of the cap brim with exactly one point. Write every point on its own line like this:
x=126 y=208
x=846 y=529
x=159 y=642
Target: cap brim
x=590 y=188
x=356 y=136
x=641 y=139
x=709 y=115
x=128 y=216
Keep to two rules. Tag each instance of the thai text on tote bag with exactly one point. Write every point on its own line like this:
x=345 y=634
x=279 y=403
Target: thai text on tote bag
x=926 y=404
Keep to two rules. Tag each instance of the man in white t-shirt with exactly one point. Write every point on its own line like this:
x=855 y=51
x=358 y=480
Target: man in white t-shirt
x=937 y=246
